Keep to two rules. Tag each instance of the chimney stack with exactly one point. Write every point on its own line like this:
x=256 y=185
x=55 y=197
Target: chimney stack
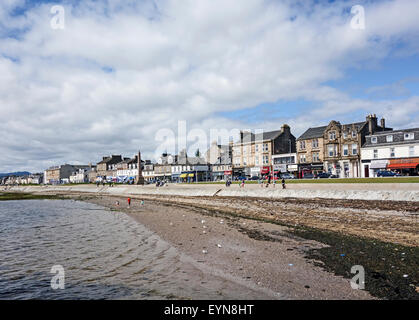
x=372 y=123
x=285 y=128
x=383 y=123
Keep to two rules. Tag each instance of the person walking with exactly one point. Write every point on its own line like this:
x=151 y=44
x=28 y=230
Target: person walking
x=129 y=202
x=283 y=183
x=242 y=184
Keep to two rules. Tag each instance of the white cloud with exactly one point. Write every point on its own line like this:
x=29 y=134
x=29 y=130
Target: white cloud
x=121 y=70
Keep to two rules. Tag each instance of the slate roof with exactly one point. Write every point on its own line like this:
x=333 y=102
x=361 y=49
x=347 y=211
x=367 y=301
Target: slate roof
x=311 y=133
x=251 y=137
x=398 y=138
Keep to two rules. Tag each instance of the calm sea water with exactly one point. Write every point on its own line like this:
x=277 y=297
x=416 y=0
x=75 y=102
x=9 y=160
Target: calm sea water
x=105 y=255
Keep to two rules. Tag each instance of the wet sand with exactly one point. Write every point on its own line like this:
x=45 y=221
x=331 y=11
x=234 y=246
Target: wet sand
x=259 y=255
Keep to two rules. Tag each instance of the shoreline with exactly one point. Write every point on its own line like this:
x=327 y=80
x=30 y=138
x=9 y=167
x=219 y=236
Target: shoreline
x=282 y=257
x=282 y=253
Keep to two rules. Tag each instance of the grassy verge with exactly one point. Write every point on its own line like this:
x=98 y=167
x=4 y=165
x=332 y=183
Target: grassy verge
x=6 y=196
x=343 y=180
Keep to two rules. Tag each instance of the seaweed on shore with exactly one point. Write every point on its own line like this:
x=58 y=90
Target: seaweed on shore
x=8 y=196
x=391 y=270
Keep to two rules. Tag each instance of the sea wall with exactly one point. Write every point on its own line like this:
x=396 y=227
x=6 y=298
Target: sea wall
x=393 y=192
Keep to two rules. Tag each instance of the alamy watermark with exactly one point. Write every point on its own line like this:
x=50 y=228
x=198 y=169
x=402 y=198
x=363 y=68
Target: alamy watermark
x=358 y=281
x=58 y=20
x=58 y=280
x=358 y=20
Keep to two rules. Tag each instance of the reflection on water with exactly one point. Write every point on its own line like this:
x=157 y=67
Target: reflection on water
x=105 y=254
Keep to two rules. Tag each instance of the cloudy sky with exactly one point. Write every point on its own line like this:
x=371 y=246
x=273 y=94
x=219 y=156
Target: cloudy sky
x=122 y=73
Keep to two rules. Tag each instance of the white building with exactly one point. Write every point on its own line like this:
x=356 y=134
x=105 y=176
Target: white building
x=286 y=162
x=391 y=150
x=80 y=176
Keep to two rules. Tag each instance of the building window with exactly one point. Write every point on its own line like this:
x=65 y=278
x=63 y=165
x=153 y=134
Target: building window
x=315 y=143
x=392 y=153
x=354 y=149
x=244 y=150
x=257 y=148
x=257 y=161
x=345 y=135
x=373 y=139
x=353 y=134
x=408 y=136
x=316 y=157
x=302 y=158
x=331 y=150
x=345 y=150
x=245 y=161
x=332 y=135
x=411 y=151
x=375 y=154
x=265 y=147
x=265 y=159
x=389 y=138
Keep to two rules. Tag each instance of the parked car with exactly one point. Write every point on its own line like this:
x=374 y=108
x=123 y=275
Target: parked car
x=333 y=176
x=323 y=175
x=287 y=176
x=385 y=173
x=254 y=178
x=308 y=176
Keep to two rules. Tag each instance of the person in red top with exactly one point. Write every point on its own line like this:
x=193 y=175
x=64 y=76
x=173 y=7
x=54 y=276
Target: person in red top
x=129 y=202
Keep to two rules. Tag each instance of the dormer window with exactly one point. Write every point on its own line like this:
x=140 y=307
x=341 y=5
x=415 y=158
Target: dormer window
x=345 y=135
x=408 y=136
x=389 y=138
x=373 y=139
x=332 y=135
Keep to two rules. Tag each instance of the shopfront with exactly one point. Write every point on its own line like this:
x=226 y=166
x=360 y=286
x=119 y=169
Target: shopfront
x=406 y=167
x=375 y=166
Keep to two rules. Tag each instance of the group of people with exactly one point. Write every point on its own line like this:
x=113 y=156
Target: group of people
x=129 y=202
x=161 y=183
x=260 y=181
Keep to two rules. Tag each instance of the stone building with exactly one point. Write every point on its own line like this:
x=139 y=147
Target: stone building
x=252 y=154
x=310 y=151
x=219 y=158
x=342 y=145
x=61 y=174
x=106 y=169
x=335 y=148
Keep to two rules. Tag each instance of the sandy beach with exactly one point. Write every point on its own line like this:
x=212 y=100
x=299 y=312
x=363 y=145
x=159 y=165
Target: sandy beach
x=257 y=254
x=284 y=248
